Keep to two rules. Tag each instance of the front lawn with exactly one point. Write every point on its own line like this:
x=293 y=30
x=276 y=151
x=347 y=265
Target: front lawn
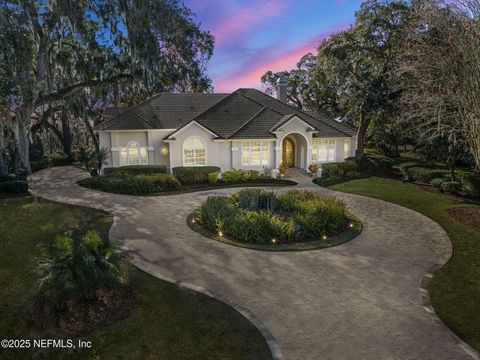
x=169 y=322
x=455 y=289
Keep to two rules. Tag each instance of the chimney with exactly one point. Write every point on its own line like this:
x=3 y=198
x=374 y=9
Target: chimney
x=282 y=83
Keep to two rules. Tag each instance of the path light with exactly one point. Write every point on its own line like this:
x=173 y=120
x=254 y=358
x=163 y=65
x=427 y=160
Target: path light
x=324 y=237
x=220 y=233
x=193 y=221
x=274 y=241
x=350 y=225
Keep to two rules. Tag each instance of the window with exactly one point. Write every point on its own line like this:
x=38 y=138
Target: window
x=323 y=150
x=255 y=153
x=133 y=154
x=194 y=152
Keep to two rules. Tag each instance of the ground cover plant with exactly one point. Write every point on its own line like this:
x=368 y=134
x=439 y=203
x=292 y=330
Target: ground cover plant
x=455 y=288
x=264 y=217
x=165 y=322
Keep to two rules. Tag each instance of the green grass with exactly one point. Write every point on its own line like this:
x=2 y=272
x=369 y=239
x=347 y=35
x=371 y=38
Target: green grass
x=169 y=323
x=455 y=289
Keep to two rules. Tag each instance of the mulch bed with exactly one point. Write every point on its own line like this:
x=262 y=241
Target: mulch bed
x=467 y=216
x=82 y=317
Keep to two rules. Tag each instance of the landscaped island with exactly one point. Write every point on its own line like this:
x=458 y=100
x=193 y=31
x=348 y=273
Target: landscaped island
x=260 y=219
x=154 y=180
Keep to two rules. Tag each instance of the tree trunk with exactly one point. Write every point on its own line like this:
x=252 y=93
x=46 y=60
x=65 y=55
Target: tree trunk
x=92 y=133
x=361 y=134
x=66 y=136
x=3 y=162
x=21 y=133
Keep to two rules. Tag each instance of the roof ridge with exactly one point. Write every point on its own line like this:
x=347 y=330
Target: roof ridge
x=257 y=102
x=145 y=120
x=302 y=112
x=247 y=122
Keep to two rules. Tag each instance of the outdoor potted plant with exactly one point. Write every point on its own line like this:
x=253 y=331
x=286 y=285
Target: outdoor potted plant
x=313 y=168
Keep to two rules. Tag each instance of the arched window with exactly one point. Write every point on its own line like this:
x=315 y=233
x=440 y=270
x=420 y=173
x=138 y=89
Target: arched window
x=133 y=154
x=194 y=152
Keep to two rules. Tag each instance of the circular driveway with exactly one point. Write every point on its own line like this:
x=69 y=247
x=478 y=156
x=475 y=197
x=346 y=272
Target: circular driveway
x=359 y=300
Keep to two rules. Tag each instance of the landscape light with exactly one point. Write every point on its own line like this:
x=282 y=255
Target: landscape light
x=193 y=221
x=324 y=237
x=350 y=225
x=220 y=233
x=274 y=241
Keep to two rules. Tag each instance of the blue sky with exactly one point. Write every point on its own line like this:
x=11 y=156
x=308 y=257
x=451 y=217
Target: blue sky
x=254 y=36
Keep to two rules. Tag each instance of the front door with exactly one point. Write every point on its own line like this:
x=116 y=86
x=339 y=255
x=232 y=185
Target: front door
x=289 y=152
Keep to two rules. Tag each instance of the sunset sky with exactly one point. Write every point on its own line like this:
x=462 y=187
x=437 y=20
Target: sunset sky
x=254 y=36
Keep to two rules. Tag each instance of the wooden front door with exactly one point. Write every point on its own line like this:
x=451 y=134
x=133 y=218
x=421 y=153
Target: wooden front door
x=289 y=152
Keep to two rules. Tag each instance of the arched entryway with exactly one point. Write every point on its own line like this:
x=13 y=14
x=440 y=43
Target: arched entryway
x=294 y=150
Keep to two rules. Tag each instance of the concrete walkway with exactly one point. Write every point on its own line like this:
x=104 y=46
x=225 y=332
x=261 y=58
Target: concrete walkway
x=359 y=300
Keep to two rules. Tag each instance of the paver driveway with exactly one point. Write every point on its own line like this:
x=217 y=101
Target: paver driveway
x=359 y=300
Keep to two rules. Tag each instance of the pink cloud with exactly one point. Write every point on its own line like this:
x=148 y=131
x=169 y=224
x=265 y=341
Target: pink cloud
x=253 y=69
x=243 y=18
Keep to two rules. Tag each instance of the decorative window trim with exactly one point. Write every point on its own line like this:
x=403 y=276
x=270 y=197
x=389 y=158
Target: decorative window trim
x=204 y=147
x=262 y=143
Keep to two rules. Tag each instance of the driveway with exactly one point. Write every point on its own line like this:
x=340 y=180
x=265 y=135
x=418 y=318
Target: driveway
x=360 y=300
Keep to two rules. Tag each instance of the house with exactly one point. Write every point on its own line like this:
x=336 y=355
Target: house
x=245 y=129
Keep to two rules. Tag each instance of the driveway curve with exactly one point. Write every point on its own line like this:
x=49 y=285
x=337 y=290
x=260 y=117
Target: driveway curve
x=359 y=300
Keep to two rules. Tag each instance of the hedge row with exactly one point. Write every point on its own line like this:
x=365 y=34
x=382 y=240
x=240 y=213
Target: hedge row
x=191 y=175
x=133 y=185
x=136 y=170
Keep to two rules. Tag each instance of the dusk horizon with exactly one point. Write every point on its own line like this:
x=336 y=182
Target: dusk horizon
x=248 y=41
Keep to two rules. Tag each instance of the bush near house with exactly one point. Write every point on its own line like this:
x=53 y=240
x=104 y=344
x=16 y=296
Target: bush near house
x=51 y=160
x=133 y=185
x=335 y=173
x=258 y=216
x=136 y=170
x=191 y=175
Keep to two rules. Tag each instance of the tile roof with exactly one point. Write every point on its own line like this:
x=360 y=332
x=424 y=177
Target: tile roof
x=163 y=111
x=245 y=113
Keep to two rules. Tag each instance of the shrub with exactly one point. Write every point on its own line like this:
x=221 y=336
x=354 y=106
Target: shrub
x=136 y=170
x=424 y=174
x=213 y=178
x=190 y=175
x=215 y=209
x=132 y=185
x=256 y=199
x=330 y=181
x=78 y=268
x=253 y=174
x=346 y=169
x=258 y=216
x=471 y=184
x=13 y=187
x=10 y=177
x=376 y=161
x=451 y=186
x=231 y=176
x=203 y=169
x=437 y=182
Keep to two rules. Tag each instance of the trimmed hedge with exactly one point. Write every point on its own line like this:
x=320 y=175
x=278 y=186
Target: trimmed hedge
x=344 y=169
x=136 y=170
x=13 y=187
x=424 y=174
x=132 y=185
x=258 y=216
x=191 y=175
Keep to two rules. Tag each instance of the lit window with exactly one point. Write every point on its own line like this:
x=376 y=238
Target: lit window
x=346 y=148
x=255 y=153
x=323 y=150
x=194 y=152
x=133 y=154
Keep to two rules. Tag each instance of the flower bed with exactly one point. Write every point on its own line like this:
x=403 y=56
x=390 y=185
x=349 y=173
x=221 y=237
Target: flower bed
x=264 y=219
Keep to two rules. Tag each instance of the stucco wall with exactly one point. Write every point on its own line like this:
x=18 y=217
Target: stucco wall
x=218 y=153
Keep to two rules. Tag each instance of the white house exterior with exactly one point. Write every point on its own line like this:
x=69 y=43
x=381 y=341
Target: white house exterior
x=245 y=129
